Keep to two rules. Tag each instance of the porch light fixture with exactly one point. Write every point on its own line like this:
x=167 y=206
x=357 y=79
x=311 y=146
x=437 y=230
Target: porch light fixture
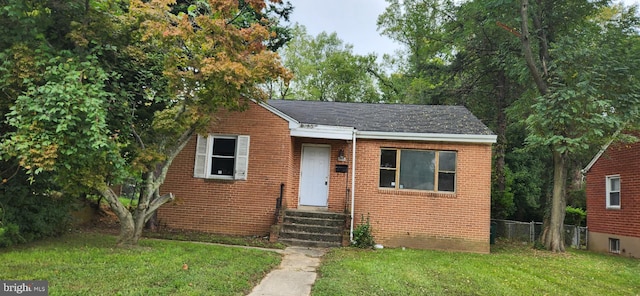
x=341 y=155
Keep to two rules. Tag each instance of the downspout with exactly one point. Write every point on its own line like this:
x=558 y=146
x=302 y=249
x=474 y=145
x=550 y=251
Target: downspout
x=353 y=182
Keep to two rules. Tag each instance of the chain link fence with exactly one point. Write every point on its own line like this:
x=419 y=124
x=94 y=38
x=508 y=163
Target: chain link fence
x=574 y=236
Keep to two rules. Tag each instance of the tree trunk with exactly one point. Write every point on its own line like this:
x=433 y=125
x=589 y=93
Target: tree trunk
x=140 y=212
x=502 y=207
x=131 y=225
x=127 y=227
x=127 y=232
x=553 y=235
x=152 y=223
x=501 y=131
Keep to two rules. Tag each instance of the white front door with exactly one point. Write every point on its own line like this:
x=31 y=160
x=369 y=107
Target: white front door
x=314 y=175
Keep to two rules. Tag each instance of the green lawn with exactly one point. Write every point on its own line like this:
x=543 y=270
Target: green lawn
x=508 y=270
x=89 y=264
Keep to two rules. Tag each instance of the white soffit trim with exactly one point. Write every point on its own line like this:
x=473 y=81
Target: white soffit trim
x=599 y=154
x=595 y=158
x=458 y=138
x=322 y=131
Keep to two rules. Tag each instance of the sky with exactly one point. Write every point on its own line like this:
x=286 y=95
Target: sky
x=353 y=20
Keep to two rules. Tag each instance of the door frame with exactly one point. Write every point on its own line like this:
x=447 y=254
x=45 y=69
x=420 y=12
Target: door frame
x=328 y=173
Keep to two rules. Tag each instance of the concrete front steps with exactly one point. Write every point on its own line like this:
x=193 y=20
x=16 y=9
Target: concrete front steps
x=312 y=228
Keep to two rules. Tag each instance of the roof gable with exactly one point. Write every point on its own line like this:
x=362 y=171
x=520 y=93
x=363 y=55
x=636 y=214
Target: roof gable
x=602 y=150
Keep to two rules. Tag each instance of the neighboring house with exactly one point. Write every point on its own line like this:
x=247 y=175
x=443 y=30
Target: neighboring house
x=422 y=173
x=613 y=200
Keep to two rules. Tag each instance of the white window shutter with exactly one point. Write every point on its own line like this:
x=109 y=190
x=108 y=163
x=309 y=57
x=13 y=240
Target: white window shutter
x=242 y=158
x=200 y=166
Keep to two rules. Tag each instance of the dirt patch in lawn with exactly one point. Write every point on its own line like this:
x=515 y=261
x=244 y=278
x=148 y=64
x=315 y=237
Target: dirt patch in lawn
x=105 y=221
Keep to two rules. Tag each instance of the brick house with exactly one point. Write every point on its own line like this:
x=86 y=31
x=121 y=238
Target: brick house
x=422 y=173
x=613 y=200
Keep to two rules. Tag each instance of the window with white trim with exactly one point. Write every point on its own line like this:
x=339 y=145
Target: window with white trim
x=221 y=157
x=613 y=192
x=614 y=245
x=418 y=169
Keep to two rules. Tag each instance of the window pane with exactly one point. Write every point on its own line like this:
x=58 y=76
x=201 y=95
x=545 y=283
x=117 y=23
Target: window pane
x=388 y=158
x=614 y=198
x=614 y=245
x=222 y=166
x=615 y=184
x=388 y=178
x=447 y=161
x=417 y=169
x=446 y=182
x=224 y=147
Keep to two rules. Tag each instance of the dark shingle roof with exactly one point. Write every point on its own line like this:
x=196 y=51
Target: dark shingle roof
x=436 y=119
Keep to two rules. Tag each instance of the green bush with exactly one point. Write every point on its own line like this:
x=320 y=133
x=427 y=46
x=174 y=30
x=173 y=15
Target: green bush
x=9 y=234
x=362 y=237
x=30 y=211
x=574 y=216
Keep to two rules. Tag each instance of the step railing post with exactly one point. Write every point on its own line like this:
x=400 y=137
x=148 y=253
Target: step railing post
x=279 y=204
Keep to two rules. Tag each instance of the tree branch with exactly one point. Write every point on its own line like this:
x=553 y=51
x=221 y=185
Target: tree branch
x=114 y=203
x=156 y=203
x=171 y=155
x=544 y=44
x=242 y=10
x=384 y=81
x=15 y=173
x=138 y=139
x=526 y=48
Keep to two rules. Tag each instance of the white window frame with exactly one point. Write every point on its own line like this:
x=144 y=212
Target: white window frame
x=614 y=245
x=609 y=191
x=204 y=155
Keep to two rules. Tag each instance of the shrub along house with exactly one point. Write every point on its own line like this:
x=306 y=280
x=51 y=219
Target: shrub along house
x=420 y=173
x=613 y=200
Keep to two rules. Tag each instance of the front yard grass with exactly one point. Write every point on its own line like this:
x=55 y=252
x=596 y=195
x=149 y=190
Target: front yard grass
x=90 y=264
x=511 y=269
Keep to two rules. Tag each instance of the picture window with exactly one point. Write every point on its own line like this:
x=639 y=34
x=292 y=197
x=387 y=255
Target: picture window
x=418 y=169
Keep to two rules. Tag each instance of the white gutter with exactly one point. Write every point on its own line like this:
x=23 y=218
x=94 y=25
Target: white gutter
x=458 y=138
x=353 y=183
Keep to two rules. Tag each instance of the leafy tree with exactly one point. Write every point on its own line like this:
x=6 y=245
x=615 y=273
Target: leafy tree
x=326 y=69
x=419 y=26
x=458 y=55
x=485 y=75
x=108 y=90
x=586 y=76
x=527 y=171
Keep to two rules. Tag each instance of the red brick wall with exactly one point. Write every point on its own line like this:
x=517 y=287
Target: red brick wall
x=454 y=221
x=623 y=160
x=233 y=207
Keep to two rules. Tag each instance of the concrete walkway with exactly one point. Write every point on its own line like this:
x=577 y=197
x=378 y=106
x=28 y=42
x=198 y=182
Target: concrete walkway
x=295 y=275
